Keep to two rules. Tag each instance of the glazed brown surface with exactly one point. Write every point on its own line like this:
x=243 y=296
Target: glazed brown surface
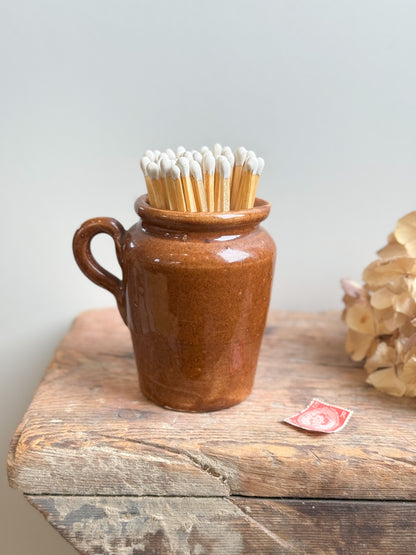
x=196 y=290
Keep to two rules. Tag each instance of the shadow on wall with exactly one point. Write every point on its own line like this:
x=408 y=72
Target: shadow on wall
x=23 y=363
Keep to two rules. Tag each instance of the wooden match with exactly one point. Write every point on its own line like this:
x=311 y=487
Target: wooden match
x=208 y=167
x=183 y=165
x=222 y=191
x=176 y=185
x=239 y=159
x=198 y=186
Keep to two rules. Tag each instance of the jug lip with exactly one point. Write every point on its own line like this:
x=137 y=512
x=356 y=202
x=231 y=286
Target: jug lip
x=172 y=219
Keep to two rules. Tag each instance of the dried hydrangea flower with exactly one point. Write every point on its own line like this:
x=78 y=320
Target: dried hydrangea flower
x=381 y=314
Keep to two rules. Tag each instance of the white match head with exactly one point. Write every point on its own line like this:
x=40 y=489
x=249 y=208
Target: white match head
x=163 y=156
x=205 y=149
x=157 y=154
x=250 y=154
x=153 y=170
x=195 y=170
x=229 y=155
x=180 y=150
x=224 y=167
x=217 y=150
x=171 y=154
x=165 y=165
x=175 y=172
x=197 y=156
x=251 y=164
x=144 y=163
x=183 y=165
x=208 y=163
x=188 y=154
x=240 y=156
x=226 y=149
x=150 y=154
x=260 y=166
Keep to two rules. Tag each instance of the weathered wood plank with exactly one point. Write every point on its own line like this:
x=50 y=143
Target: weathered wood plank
x=90 y=431
x=232 y=526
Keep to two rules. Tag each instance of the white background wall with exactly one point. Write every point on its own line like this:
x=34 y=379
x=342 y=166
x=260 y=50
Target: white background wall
x=324 y=90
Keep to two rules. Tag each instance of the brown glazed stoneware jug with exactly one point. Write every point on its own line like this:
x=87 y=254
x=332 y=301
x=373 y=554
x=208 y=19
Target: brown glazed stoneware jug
x=194 y=293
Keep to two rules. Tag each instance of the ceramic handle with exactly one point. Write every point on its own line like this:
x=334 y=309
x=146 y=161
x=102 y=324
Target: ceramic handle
x=92 y=269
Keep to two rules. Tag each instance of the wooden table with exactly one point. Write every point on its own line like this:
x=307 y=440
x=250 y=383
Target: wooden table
x=115 y=474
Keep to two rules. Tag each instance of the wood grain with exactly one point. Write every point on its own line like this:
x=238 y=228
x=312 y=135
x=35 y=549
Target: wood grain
x=89 y=430
x=231 y=526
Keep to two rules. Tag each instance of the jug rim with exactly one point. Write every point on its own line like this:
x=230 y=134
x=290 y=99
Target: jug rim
x=172 y=219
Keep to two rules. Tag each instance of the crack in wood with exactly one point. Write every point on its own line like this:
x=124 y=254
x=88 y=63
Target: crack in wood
x=200 y=464
x=319 y=461
x=279 y=541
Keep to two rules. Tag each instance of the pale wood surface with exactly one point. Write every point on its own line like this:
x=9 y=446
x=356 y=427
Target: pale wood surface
x=230 y=525
x=89 y=431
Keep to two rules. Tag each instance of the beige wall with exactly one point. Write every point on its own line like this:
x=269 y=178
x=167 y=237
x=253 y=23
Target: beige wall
x=323 y=90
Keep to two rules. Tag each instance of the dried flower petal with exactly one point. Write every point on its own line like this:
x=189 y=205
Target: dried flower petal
x=398 y=284
x=388 y=320
x=405 y=304
x=352 y=288
x=359 y=317
x=405 y=233
x=387 y=381
x=382 y=271
x=407 y=374
x=410 y=346
x=382 y=298
x=358 y=345
x=392 y=249
x=383 y=357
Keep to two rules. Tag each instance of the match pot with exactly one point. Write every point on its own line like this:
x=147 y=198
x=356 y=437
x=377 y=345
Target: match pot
x=194 y=294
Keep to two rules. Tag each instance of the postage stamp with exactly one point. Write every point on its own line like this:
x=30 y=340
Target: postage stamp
x=320 y=417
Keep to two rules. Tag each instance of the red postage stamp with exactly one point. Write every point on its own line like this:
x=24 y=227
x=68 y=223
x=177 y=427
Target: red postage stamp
x=320 y=417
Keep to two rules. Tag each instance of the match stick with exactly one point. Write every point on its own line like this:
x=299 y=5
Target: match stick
x=144 y=162
x=197 y=156
x=254 y=182
x=222 y=190
x=183 y=165
x=150 y=154
x=170 y=154
x=217 y=149
x=249 y=168
x=165 y=165
x=198 y=186
x=174 y=178
x=188 y=154
x=227 y=152
x=153 y=171
x=216 y=180
x=162 y=156
x=179 y=151
x=208 y=168
x=239 y=156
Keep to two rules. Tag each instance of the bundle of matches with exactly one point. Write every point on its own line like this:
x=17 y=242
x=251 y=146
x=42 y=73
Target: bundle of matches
x=216 y=180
